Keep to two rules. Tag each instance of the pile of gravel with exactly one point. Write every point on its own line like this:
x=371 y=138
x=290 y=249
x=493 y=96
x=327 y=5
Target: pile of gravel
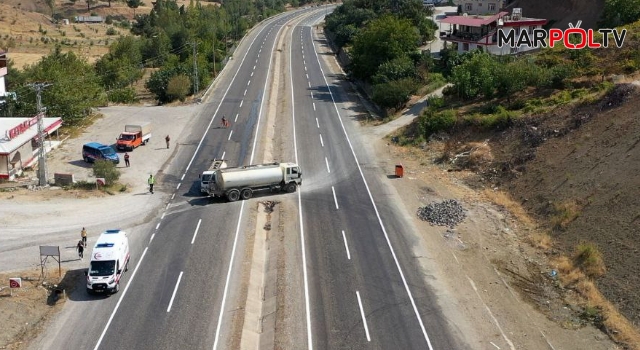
x=446 y=213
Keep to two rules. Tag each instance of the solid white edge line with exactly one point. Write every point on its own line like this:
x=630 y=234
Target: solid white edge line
x=305 y=276
x=346 y=246
x=235 y=240
x=231 y=133
x=327 y=162
x=195 y=233
x=335 y=199
x=321 y=142
x=124 y=292
x=375 y=208
x=175 y=290
x=364 y=319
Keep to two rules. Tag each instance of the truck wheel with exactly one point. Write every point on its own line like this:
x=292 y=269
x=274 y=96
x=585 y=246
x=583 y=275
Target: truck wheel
x=290 y=187
x=233 y=195
x=246 y=193
x=86 y=159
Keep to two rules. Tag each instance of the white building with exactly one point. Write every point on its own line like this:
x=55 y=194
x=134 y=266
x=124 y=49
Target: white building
x=480 y=7
x=467 y=33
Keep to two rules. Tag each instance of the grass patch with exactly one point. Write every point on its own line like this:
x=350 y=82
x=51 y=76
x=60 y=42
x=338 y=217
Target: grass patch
x=588 y=258
x=540 y=240
x=564 y=214
x=505 y=201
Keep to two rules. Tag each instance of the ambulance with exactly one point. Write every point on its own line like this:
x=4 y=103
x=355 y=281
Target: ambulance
x=109 y=260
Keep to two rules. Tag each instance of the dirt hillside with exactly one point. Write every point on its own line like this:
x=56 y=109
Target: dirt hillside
x=562 y=12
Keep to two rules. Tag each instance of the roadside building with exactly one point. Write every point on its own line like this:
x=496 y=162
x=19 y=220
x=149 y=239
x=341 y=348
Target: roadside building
x=480 y=7
x=3 y=72
x=467 y=33
x=20 y=144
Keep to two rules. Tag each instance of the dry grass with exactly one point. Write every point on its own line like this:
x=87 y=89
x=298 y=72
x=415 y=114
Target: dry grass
x=564 y=213
x=616 y=325
x=540 y=240
x=589 y=259
x=503 y=200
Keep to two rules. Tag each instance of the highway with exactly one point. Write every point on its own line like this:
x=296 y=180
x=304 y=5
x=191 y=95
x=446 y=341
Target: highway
x=365 y=290
x=184 y=288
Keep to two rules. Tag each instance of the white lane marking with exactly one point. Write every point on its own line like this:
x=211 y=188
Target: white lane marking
x=307 y=76
x=252 y=73
x=220 y=104
x=183 y=175
x=173 y=196
x=335 y=199
x=497 y=347
x=317 y=123
x=241 y=102
x=223 y=153
x=309 y=83
x=236 y=118
x=167 y=206
x=231 y=133
x=195 y=233
x=158 y=225
x=245 y=92
x=305 y=69
x=312 y=95
x=249 y=83
x=364 y=319
x=235 y=240
x=327 y=162
x=346 y=246
x=495 y=321
x=314 y=105
x=305 y=277
x=375 y=208
x=151 y=239
x=175 y=290
x=162 y=217
x=321 y=142
x=178 y=187
x=124 y=292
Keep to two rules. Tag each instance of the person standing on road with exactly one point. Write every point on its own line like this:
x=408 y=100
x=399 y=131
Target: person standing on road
x=167 y=138
x=151 y=181
x=80 y=249
x=83 y=234
x=126 y=159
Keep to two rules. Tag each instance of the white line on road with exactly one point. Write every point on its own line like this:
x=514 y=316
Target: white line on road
x=321 y=142
x=364 y=319
x=158 y=225
x=223 y=153
x=162 y=217
x=183 y=175
x=173 y=196
x=175 y=290
x=314 y=105
x=335 y=199
x=252 y=73
x=254 y=67
x=249 y=83
x=309 y=83
x=305 y=277
x=167 y=207
x=124 y=292
x=231 y=133
x=151 y=239
x=312 y=95
x=195 y=233
x=346 y=246
x=178 y=187
x=495 y=320
x=245 y=92
x=317 y=123
x=236 y=118
x=375 y=209
x=307 y=76
x=241 y=102
x=327 y=162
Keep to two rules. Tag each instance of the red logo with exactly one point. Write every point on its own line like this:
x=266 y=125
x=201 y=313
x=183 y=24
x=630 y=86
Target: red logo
x=15 y=282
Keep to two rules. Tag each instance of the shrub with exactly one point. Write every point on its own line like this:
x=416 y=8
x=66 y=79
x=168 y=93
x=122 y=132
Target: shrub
x=107 y=170
x=111 y=31
x=435 y=102
x=394 y=94
x=178 y=87
x=432 y=122
x=589 y=259
x=122 y=95
x=500 y=120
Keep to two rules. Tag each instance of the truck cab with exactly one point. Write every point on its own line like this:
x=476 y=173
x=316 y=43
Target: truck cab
x=208 y=176
x=109 y=260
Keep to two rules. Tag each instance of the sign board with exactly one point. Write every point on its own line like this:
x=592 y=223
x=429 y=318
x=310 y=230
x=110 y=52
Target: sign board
x=15 y=282
x=50 y=250
x=100 y=181
x=22 y=127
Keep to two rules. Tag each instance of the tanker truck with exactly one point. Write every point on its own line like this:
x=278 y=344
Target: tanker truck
x=241 y=182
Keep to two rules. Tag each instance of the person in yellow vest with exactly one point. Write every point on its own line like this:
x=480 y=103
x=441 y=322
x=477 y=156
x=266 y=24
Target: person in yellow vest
x=151 y=181
x=83 y=234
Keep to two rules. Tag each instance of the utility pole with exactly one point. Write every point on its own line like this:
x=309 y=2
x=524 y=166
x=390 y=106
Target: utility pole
x=42 y=153
x=195 y=70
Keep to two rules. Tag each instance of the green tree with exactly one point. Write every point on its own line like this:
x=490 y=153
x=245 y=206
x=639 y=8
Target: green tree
x=122 y=65
x=382 y=40
x=107 y=170
x=394 y=94
x=619 y=12
x=476 y=76
x=178 y=87
x=134 y=4
x=396 y=69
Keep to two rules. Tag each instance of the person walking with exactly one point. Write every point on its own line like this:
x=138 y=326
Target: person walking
x=126 y=159
x=151 y=181
x=167 y=138
x=80 y=249
x=225 y=122
x=83 y=234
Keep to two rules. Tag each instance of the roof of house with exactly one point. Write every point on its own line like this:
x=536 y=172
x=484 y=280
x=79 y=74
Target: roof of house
x=473 y=21
x=8 y=145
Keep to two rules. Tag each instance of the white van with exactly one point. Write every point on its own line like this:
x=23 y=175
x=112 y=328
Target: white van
x=109 y=260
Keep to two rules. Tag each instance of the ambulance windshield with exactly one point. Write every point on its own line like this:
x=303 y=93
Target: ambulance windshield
x=102 y=268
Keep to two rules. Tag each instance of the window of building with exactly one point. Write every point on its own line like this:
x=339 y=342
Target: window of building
x=465 y=47
x=468 y=7
x=492 y=7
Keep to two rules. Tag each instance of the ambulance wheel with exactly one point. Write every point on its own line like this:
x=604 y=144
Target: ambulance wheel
x=246 y=193
x=116 y=289
x=233 y=195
